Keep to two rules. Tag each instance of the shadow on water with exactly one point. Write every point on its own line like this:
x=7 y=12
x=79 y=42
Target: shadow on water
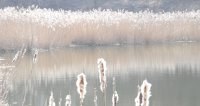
x=173 y=71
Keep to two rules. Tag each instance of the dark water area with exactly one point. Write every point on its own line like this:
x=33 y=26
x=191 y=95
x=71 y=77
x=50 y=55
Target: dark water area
x=173 y=70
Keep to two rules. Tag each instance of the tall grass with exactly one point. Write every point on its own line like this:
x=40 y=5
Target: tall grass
x=48 y=28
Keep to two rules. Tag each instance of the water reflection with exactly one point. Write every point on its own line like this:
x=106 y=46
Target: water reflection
x=173 y=71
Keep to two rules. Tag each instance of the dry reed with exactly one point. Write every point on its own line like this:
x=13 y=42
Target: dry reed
x=46 y=28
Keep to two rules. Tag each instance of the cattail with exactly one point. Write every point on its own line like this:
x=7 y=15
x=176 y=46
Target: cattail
x=138 y=99
x=102 y=73
x=16 y=56
x=35 y=56
x=115 y=98
x=51 y=100
x=68 y=100
x=81 y=84
x=144 y=93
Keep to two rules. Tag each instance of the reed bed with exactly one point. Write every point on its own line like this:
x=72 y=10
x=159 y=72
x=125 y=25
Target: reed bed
x=44 y=28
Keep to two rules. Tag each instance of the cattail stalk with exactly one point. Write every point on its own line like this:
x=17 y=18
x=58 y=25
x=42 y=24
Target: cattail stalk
x=51 y=100
x=115 y=98
x=102 y=73
x=144 y=93
x=81 y=84
x=68 y=100
x=138 y=99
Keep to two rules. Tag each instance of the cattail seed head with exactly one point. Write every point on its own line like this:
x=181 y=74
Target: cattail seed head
x=51 y=100
x=115 y=98
x=102 y=73
x=81 y=84
x=68 y=100
x=144 y=93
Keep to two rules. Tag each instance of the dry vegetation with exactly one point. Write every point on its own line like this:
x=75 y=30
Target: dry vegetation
x=4 y=85
x=48 y=28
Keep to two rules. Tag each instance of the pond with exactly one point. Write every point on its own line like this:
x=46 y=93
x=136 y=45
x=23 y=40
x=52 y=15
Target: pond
x=172 y=69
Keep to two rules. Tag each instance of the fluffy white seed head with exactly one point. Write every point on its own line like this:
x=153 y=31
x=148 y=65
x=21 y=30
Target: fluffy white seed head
x=81 y=84
x=68 y=100
x=115 y=98
x=144 y=93
x=51 y=100
x=102 y=73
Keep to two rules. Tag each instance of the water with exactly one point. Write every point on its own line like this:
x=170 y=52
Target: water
x=173 y=70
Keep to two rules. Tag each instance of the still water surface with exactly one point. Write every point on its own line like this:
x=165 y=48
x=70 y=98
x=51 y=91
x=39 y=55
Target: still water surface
x=173 y=70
